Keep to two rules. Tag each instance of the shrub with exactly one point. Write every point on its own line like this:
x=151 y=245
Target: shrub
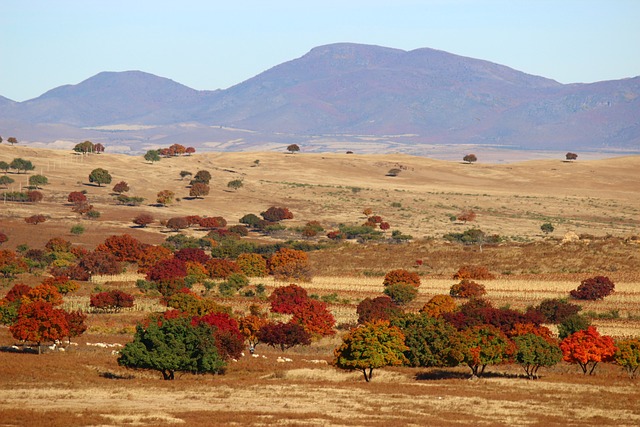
x=557 y=310
x=114 y=300
x=221 y=268
x=252 y=265
x=177 y=223
x=379 y=308
x=572 y=324
x=275 y=214
x=401 y=276
x=289 y=264
x=439 y=305
x=467 y=289
x=401 y=293
x=284 y=335
x=593 y=289
x=476 y=272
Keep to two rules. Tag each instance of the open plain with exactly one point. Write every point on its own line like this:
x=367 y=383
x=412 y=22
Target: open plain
x=593 y=206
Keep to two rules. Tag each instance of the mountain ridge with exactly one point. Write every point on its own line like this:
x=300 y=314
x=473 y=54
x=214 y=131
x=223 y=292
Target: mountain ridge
x=346 y=91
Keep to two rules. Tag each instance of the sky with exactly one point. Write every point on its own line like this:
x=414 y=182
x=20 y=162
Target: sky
x=215 y=44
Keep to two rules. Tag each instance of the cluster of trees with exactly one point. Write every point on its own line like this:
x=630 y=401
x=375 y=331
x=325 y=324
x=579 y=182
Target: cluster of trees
x=478 y=335
x=372 y=229
x=174 y=150
x=18 y=164
x=87 y=147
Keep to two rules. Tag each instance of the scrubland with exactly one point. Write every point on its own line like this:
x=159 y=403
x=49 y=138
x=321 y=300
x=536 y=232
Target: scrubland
x=594 y=204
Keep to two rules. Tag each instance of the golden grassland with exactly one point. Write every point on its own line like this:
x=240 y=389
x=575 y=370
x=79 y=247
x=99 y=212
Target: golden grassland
x=597 y=200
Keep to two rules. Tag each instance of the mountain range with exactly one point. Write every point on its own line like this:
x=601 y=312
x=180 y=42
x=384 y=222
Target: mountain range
x=339 y=96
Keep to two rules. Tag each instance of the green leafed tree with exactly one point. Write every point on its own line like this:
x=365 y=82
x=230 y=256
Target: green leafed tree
x=174 y=346
x=152 y=156
x=484 y=345
x=370 y=346
x=6 y=180
x=22 y=165
x=235 y=184
x=100 y=176
x=38 y=181
x=533 y=352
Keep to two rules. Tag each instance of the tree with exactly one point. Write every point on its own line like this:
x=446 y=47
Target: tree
x=484 y=345
x=572 y=324
x=371 y=346
x=378 y=308
x=431 y=342
x=165 y=197
x=6 y=180
x=167 y=269
x=587 y=348
x=63 y=284
x=571 y=156
x=100 y=176
x=35 y=219
x=184 y=174
x=177 y=223
x=84 y=147
x=39 y=322
x=98 y=148
x=121 y=187
x=628 y=355
x=114 y=300
x=173 y=346
x=438 y=305
x=467 y=289
x=533 y=352
x=202 y=176
x=293 y=148
x=275 y=214
x=34 y=196
x=212 y=222
x=252 y=265
x=37 y=181
x=20 y=164
x=401 y=276
x=593 y=289
x=250 y=328
x=77 y=323
x=283 y=335
x=547 y=228
x=190 y=151
x=235 y=184
x=12 y=140
x=470 y=158
x=289 y=264
x=152 y=156
x=199 y=190
x=221 y=268
x=251 y=220
x=4 y=166
x=124 y=247
x=77 y=197
x=143 y=219
x=229 y=339
x=401 y=293
x=556 y=310
x=394 y=172
x=476 y=272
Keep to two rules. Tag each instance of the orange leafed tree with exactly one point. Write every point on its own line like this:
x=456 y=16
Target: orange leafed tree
x=124 y=247
x=43 y=292
x=250 y=327
x=290 y=264
x=587 y=348
x=401 y=276
x=40 y=322
x=438 y=305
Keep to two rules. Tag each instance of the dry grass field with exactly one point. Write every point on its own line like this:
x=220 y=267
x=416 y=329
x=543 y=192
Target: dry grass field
x=596 y=199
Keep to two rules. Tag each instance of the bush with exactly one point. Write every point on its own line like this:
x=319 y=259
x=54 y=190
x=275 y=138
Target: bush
x=467 y=289
x=401 y=293
x=476 y=272
x=114 y=300
x=439 y=305
x=275 y=214
x=557 y=310
x=379 y=308
x=593 y=289
x=401 y=276
x=572 y=324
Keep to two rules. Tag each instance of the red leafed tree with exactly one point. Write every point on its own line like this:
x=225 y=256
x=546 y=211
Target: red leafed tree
x=76 y=197
x=151 y=255
x=378 y=308
x=34 y=196
x=229 y=339
x=192 y=254
x=35 y=219
x=212 y=222
x=315 y=318
x=199 y=190
x=401 y=276
x=17 y=292
x=284 y=335
x=285 y=299
x=100 y=262
x=593 y=289
x=44 y=292
x=167 y=269
x=190 y=150
x=39 y=322
x=124 y=247
x=77 y=323
x=221 y=268
x=143 y=219
x=121 y=187
x=113 y=300
x=290 y=264
x=587 y=348
x=177 y=223
x=275 y=214
x=384 y=226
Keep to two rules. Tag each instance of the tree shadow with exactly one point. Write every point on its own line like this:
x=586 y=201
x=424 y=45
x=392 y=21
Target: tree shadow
x=16 y=349
x=441 y=374
x=114 y=376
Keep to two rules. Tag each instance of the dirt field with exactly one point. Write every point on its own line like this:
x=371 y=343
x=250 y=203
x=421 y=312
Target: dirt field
x=595 y=200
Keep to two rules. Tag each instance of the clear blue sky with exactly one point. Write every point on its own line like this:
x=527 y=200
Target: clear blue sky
x=216 y=44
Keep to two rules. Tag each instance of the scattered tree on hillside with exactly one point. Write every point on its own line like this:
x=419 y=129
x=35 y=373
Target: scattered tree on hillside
x=37 y=181
x=12 y=140
x=165 y=197
x=466 y=215
x=143 y=219
x=38 y=322
x=152 y=156
x=35 y=219
x=275 y=214
x=290 y=264
x=202 y=176
x=378 y=308
x=571 y=156
x=587 y=348
x=77 y=197
x=593 y=289
x=111 y=301
x=4 y=166
x=401 y=276
x=190 y=151
x=76 y=322
x=98 y=148
x=177 y=223
x=84 y=147
x=34 y=196
x=547 y=228
x=23 y=165
x=467 y=289
x=184 y=174
x=121 y=187
x=371 y=346
x=401 y=293
x=174 y=345
x=124 y=247
x=438 y=305
x=100 y=176
x=293 y=148
x=470 y=158
x=199 y=190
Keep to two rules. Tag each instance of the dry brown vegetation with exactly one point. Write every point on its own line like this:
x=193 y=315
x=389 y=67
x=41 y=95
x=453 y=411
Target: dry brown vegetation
x=596 y=200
